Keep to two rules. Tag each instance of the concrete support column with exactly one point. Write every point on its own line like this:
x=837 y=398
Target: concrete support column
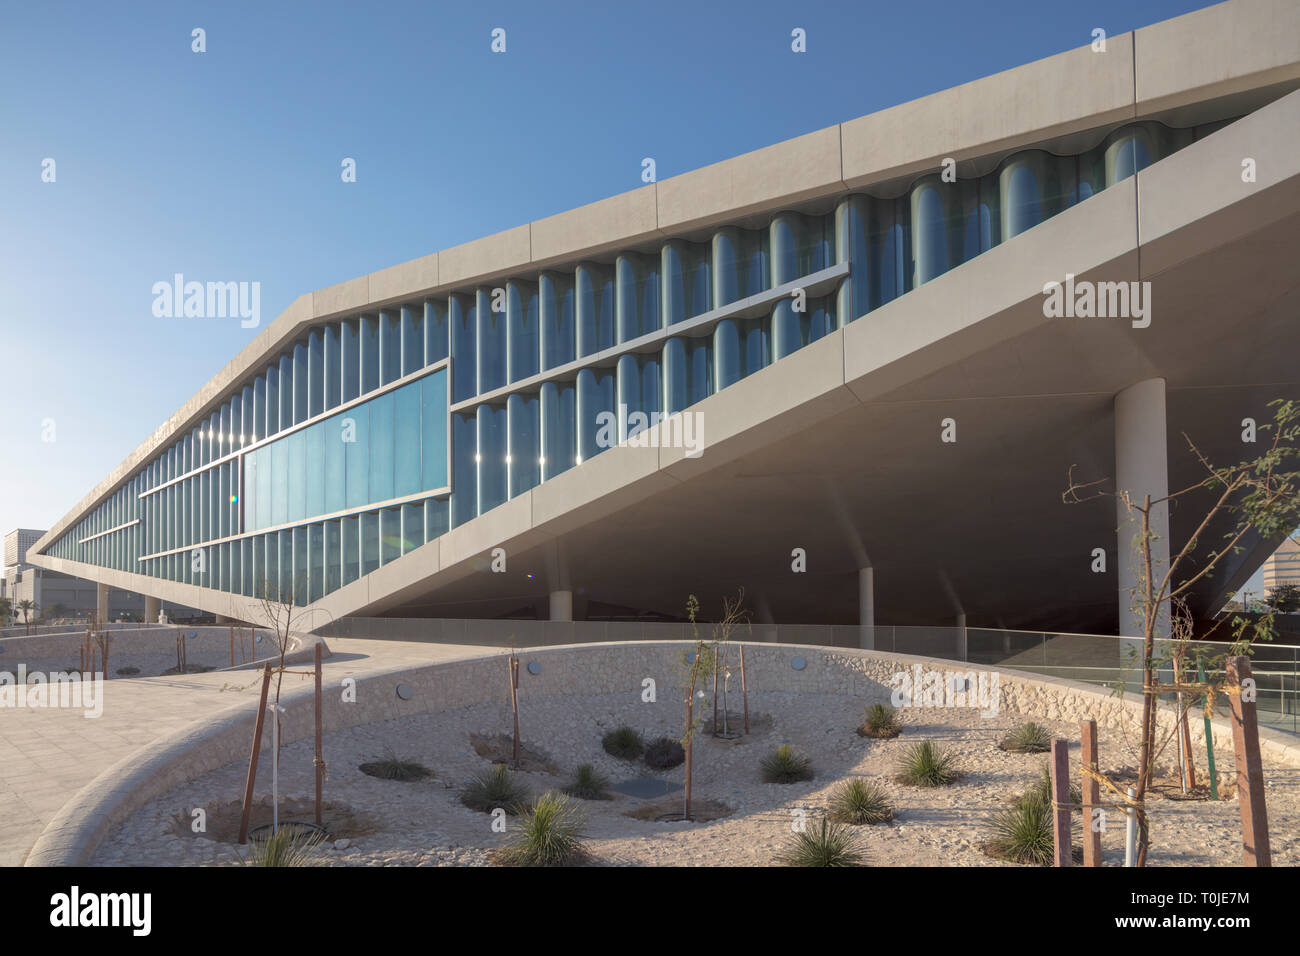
x=150 y=610
x=561 y=605
x=866 y=608
x=101 y=604
x=1141 y=469
x=963 y=644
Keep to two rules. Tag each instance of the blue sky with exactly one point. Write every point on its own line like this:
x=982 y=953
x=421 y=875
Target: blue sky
x=225 y=165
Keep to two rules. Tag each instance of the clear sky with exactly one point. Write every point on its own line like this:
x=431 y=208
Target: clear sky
x=225 y=165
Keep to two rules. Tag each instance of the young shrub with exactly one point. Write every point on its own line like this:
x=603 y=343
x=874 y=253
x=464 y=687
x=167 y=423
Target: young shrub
x=859 y=802
x=926 y=765
x=623 y=743
x=496 y=788
x=1041 y=788
x=664 y=753
x=549 y=834
x=588 y=784
x=832 y=845
x=786 y=765
x=1030 y=738
x=287 y=846
x=880 y=721
x=391 y=768
x=1022 y=833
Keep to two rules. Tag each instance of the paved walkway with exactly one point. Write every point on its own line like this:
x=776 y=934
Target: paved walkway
x=47 y=755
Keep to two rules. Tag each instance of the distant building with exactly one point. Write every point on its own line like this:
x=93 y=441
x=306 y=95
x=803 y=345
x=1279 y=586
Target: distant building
x=56 y=594
x=1283 y=566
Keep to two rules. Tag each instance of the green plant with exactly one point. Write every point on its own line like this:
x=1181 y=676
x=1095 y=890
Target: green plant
x=623 y=743
x=496 y=788
x=857 y=802
x=392 y=768
x=1022 y=832
x=664 y=753
x=832 y=845
x=926 y=765
x=588 y=784
x=549 y=834
x=1030 y=738
x=881 y=721
x=1041 y=788
x=786 y=765
x=287 y=846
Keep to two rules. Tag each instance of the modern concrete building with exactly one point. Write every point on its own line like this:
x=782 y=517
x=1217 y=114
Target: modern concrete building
x=881 y=347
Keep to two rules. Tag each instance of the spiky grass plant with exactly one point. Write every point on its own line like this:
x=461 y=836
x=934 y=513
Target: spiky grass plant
x=588 y=784
x=880 y=721
x=1022 y=833
x=786 y=765
x=664 y=753
x=1030 y=738
x=548 y=834
x=831 y=845
x=623 y=743
x=1041 y=788
x=926 y=764
x=390 y=767
x=859 y=802
x=287 y=846
x=496 y=788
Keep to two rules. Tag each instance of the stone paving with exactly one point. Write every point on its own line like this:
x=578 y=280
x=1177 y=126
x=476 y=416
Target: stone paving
x=47 y=755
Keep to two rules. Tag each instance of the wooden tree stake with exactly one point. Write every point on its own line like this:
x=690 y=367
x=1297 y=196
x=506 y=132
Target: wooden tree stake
x=1063 y=851
x=744 y=688
x=1091 y=793
x=320 y=759
x=252 y=760
x=514 y=702
x=1250 y=771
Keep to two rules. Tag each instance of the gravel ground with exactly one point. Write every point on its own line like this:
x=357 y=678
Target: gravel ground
x=423 y=823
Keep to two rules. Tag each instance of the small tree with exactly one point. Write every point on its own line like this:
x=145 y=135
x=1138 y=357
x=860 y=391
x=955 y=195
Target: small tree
x=734 y=617
x=28 y=607
x=1284 y=599
x=1261 y=497
x=695 y=664
x=6 y=611
x=278 y=609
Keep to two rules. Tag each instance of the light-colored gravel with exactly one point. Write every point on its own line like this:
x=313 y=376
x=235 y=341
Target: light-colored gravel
x=423 y=823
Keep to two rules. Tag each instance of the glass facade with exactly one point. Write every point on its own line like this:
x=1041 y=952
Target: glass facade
x=375 y=433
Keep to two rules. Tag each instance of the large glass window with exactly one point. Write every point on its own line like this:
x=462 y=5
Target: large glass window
x=392 y=446
x=556 y=312
x=351 y=548
x=369 y=542
x=522 y=318
x=381 y=448
x=333 y=557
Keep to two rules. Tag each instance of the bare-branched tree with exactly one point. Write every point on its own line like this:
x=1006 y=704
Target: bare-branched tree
x=1259 y=498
